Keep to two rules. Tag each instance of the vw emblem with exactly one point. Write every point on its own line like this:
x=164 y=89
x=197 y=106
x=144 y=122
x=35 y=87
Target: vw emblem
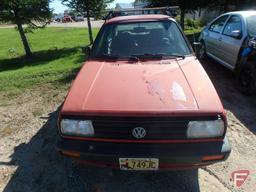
x=139 y=132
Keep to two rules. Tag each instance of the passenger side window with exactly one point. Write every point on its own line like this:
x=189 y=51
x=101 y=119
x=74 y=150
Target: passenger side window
x=218 y=25
x=234 y=24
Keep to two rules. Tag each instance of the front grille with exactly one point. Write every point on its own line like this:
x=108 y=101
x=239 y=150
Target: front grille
x=157 y=128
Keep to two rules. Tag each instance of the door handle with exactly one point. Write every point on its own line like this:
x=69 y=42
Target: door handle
x=220 y=38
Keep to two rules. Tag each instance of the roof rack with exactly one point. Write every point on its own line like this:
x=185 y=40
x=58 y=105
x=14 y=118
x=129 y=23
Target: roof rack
x=170 y=11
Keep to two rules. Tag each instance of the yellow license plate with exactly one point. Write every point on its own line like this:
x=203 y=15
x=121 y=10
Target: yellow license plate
x=140 y=164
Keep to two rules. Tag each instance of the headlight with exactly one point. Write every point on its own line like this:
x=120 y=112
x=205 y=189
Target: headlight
x=77 y=127
x=205 y=129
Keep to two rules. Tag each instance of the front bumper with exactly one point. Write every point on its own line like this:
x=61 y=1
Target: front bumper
x=171 y=156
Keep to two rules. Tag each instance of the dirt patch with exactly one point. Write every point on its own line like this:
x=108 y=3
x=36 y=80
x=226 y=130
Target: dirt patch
x=29 y=162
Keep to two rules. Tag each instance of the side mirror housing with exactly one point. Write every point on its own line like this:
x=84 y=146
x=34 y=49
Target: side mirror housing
x=252 y=43
x=87 y=50
x=197 y=46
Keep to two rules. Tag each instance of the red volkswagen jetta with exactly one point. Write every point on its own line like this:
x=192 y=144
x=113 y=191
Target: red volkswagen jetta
x=142 y=101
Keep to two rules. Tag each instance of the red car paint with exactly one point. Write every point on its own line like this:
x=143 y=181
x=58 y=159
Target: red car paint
x=146 y=88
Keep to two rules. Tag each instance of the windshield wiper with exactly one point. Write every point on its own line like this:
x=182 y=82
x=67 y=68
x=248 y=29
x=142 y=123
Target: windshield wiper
x=174 y=55
x=106 y=56
x=149 y=55
x=159 y=56
x=133 y=58
x=114 y=57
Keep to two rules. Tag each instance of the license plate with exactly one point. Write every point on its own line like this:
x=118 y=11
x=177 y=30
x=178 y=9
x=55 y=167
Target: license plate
x=140 y=164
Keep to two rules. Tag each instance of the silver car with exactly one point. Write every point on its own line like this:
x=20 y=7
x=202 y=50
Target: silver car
x=230 y=39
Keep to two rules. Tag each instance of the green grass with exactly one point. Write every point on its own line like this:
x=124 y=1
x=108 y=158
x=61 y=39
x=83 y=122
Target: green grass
x=57 y=56
x=193 y=34
x=190 y=31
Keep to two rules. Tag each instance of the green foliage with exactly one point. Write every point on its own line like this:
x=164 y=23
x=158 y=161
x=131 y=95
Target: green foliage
x=196 y=24
x=177 y=18
x=194 y=4
x=30 y=12
x=183 y=4
x=201 y=22
x=93 y=8
x=238 y=4
x=190 y=22
x=57 y=57
x=34 y=13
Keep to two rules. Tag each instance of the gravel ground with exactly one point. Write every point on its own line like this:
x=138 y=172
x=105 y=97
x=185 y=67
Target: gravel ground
x=29 y=162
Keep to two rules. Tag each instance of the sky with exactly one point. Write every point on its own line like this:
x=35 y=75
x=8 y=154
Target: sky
x=59 y=8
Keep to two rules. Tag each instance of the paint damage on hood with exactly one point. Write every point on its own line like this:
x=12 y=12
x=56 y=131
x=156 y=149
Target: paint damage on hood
x=145 y=87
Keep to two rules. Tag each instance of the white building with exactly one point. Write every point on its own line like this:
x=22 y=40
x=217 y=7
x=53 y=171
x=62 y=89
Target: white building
x=138 y=4
x=120 y=6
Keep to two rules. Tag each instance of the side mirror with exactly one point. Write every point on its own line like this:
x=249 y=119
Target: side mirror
x=87 y=50
x=236 y=34
x=197 y=46
x=252 y=43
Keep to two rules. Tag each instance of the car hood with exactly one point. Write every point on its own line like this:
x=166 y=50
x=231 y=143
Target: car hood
x=151 y=87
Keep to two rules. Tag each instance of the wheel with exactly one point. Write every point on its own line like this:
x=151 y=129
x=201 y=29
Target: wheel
x=246 y=79
x=202 y=52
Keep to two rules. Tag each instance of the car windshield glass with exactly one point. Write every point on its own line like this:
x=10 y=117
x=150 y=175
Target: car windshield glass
x=140 y=39
x=251 y=23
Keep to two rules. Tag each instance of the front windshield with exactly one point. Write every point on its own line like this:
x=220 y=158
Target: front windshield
x=140 y=38
x=251 y=23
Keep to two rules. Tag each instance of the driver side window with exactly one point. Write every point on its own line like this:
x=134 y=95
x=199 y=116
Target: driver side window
x=218 y=25
x=233 y=24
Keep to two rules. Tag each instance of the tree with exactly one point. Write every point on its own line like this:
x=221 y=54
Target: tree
x=33 y=13
x=185 y=6
x=88 y=7
x=236 y=4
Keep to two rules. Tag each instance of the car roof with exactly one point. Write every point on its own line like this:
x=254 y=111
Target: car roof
x=243 y=13
x=135 y=18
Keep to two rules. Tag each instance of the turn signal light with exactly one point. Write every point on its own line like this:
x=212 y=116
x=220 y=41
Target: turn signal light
x=70 y=153
x=211 y=158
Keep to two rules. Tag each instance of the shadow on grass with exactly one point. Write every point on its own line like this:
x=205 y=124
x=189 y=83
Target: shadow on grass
x=40 y=58
x=41 y=168
x=68 y=77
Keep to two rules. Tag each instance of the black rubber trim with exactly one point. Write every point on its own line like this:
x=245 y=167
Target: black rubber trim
x=189 y=153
